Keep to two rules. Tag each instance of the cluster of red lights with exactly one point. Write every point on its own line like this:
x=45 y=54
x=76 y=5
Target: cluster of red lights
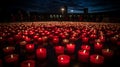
x=33 y=37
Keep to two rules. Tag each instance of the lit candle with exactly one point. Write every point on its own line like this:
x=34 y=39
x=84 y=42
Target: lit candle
x=30 y=47
x=63 y=60
x=96 y=59
x=41 y=53
x=92 y=36
x=73 y=39
x=70 y=48
x=85 y=40
x=102 y=39
x=98 y=47
x=13 y=58
x=83 y=55
x=36 y=37
x=28 y=63
x=40 y=40
x=59 y=50
x=55 y=40
x=8 y=50
x=23 y=43
x=65 y=41
x=107 y=53
x=27 y=39
x=11 y=55
x=85 y=47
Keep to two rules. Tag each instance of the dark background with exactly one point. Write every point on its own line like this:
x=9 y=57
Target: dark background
x=42 y=9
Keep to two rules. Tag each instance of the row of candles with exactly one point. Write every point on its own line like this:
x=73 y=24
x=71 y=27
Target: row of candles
x=63 y=59
x=39 y=33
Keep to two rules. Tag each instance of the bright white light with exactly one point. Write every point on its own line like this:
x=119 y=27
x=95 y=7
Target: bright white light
x=62 y=9
x=71 y=10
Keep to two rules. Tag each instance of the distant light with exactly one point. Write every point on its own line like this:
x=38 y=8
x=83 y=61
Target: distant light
x=62 y=9
x=71 y=10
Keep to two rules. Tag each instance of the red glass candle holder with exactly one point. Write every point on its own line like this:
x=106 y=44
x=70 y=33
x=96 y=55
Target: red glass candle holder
x=107 y=53
x=55 y=40
x=85 y=40
x=22 y=44
x=85 y=47
x=65 y=41
x=63 y=60
x=59 y=50
x=98 y=47
x=12 y=59
x=41 y=53
x=30 y=47
x=70 y=48
x=96 y=60
x=83 y=55
x=9 y=50
x=28 y=63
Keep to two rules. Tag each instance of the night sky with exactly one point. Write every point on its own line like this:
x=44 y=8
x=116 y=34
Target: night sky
x=74 y=6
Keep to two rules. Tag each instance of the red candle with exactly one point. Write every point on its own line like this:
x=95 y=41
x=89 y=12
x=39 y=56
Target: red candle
x=63 y=60
x=30 y=47
x=41 y=53
x=31 y=33
x=73 y=39
x=8 y=50
x=92 y=36
x=85 y=47
x=13 y=58
x=36 y=37
x=85 y=40
x=40 y=40
x=1 y=39
x=28 y=63
x=55 y=40
x=102 y=39
x=23 y=43
x=44 y=38
x=59 y=50
x=96 y=59
x=107 y=53
x=70 y=48
x=83 y=55
x=27 y=39
x=98 y=47
x=65 y=41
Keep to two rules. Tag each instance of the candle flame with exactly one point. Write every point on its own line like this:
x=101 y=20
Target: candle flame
x=28 y=64
x=30 y=46
x=0 y=37
x=107 y=50
x=40 y=50
x=7 y=47
x=62 y=58
x=70 y=44
x=97 y=57
x=84 y=51
x=98 y=43
x=11 y=56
